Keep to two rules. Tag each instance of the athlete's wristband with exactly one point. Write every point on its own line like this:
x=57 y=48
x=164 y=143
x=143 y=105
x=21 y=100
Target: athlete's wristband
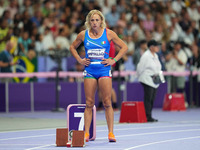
x=115 y=60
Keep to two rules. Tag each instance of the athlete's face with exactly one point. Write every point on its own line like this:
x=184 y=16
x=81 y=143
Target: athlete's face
x=95 y=21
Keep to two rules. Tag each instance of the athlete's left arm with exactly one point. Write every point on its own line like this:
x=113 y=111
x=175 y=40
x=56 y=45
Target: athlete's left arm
x=112 y=36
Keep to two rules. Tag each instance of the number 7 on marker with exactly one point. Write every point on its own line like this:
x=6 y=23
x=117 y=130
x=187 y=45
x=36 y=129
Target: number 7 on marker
x=81 y=123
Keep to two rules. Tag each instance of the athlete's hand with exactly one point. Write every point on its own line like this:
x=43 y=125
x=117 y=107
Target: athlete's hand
x=85 y=61
x=108 y=62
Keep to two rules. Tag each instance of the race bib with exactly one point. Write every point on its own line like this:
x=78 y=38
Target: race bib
x=96 y=53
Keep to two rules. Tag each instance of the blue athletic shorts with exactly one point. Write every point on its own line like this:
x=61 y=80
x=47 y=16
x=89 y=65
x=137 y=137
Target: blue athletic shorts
x=97 y=71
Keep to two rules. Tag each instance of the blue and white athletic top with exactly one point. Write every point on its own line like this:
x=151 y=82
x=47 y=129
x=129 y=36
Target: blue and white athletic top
x=96 y=49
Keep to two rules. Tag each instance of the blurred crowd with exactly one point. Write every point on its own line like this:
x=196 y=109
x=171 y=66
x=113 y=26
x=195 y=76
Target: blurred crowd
x=44 y=25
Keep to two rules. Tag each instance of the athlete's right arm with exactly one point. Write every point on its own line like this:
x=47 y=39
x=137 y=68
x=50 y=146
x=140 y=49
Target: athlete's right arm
x=79 y=39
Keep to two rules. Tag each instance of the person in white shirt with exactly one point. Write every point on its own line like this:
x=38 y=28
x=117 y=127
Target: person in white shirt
x=177 y=63
x=148 y=70
x=62 y=43
x=48 y=40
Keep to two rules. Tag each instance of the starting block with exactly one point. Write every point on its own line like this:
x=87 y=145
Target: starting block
x=132 y=112
x=75 y=119
x=76 y=139
x=61 y=136
x=174 y=102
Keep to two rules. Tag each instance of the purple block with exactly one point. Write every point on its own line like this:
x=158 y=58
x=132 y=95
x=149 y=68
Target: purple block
x=44 y=95
x=68 y=94
x=19 y=97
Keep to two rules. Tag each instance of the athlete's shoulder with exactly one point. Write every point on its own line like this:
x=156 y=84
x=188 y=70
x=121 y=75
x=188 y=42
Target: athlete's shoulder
x=109 y=31
x=111 y=34
x=81 y=35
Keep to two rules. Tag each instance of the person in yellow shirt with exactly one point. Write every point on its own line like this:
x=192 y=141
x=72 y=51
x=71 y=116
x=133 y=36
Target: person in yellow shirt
x=4 y=34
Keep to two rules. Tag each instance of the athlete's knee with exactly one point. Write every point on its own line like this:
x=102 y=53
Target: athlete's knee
x=89 y=103
x=107 y=103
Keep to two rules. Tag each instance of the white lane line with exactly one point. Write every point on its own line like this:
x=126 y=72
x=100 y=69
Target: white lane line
x=165 y=141
x=156 y=127
x=123 y=124
x=151 y=133
x=33 y=144
x=29 y=130
x=189 y=125
x=24 y=137
x=40 y=147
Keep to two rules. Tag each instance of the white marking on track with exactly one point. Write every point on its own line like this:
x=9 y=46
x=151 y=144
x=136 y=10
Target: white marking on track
x=165 y=141
x=155 y=127
x=150 y=133
x=40 y=147
x=24 y=137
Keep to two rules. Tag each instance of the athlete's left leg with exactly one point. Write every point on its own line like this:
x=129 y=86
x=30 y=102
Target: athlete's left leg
x=105 y=87
x=90 y=86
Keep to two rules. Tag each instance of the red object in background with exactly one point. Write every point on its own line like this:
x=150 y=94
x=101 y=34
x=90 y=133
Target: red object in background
x=174 y=102
x=112 y=51
x=132 y=111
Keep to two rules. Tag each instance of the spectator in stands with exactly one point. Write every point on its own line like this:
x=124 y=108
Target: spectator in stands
x=27 y=5
x=62 y=43
x=188 y=34
x=176 y=32
x=128 y=57
x=159 y=33
x=2 y=7
x=121 y=6
x=46 y=10
x=139 y=52
x=6 y=16
x=185 y=21
x=148 y=22
x=27 y=23
x=4 y=32
x=37 y=18
x=105 y=7
x=177 y=6
x=24 y=42
x=48 y=40
x=177 y=63
x=112 y=17
x=193 y=12
x=164 y=56
x=195 y=66
x=39 y=46
x=6 y=61
x=12 y=8
x=122 y=22
x=195 y=30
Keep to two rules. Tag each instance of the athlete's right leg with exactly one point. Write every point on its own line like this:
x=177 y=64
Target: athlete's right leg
x=90 y=87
